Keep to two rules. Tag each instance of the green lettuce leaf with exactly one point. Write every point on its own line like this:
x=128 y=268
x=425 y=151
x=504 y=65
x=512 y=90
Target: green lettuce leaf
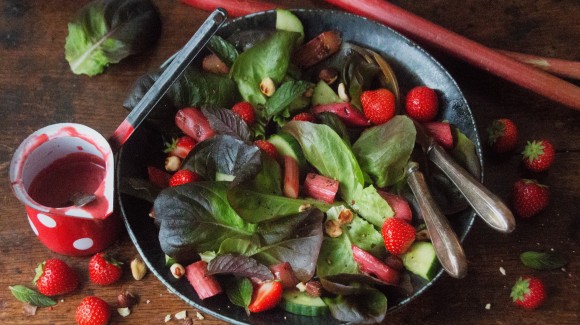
x=107 y=31
x=336 y=257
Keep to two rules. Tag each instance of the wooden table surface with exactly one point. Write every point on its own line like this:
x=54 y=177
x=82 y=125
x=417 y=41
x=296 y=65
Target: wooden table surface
x=37 y=88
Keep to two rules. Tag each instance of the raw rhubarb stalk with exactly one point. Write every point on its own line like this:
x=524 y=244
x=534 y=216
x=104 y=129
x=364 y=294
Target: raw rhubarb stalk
x=317 y=49
x=204 y=285
x=369 y=264
x=291 y=177
x=347 y=114
x=559 y=67
x=235 y=8
x=193 y=123
x=472 y=52
x=441 y=132
x=158 y=177
x=320 y=187
x=399 y=205
x=285 y=273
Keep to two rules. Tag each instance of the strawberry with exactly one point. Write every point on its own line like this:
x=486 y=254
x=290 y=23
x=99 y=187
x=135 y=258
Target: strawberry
x=104 y=269
x=538 y=155
x=529 y=197
x=304 y=116
x=54 y=277
x=266 y=296
x=180 y=147
x=267 y=147
x=183 y=176
x=93 y=311
x=398 y=235
x=245 y=111
x=422 y=104
x=502 y=135
x=378 y=105
x=528 y=292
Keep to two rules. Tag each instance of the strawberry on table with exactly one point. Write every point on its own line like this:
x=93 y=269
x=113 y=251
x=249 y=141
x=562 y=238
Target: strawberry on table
x=378 y=105
x=245 y=111
x=266 y=296
x=180 y=147
x=267 y=147
x=502 y=135
x=529 y=197
x=422 y=104
x=398 y=235
x=538 y=155
x=183 y=176
x=93 y=311
x=528 y=292
x=104 y=269
x=54 y=277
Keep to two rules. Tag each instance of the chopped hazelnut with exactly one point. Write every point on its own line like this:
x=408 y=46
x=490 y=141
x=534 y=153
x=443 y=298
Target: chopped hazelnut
x=342 y=92
x=267 y=86
x=126 y=299
x=345 y=216
x=172 y=163
x=177 y=270
x=332 y=228
x=138 y=268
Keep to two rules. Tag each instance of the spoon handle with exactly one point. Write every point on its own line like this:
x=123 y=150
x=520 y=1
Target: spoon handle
x=169 y=75
x=445 y=241
x=486 y=204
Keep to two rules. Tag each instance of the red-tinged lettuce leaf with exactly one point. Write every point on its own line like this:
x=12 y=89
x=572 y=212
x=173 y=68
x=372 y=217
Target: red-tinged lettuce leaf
x=239 y=265
x=225 y=121
x=295 y=239
x=365 y=305
x=196 y=217
x=226 y=155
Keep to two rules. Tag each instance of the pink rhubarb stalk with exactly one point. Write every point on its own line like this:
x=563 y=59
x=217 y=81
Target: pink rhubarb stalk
x=320 y=187
x=399 y=205
x=205 y=285
x=367 y=263
x=351 y=116
x=291 y=177
x=441 y=132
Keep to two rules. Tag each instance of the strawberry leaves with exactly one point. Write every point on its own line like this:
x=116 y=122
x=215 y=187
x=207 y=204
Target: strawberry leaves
x=30 y=296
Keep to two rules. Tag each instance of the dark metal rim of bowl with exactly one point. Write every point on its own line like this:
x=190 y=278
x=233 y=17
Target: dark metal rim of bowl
x=408 y=59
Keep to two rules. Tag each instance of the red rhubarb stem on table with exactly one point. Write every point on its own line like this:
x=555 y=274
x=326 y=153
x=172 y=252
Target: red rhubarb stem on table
x=235 y=8
x=559 y=67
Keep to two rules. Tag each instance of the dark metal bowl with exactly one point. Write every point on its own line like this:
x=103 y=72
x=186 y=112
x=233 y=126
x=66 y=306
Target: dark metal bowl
x=413 y=66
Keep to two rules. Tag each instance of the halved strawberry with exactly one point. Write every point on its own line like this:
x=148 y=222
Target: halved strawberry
x=441 y=132
x=245 y=111
x=267 y=147
x=304 y=116
x=180 y=147
x=183 y=176
x=193 y=123
x=266 y=296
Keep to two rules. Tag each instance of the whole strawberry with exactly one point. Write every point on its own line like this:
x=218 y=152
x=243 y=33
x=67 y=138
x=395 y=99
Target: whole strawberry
x=245 y=111
x=180 y=147
x=267 y=147
x=378 y=105
x=538 y=155
x=528 y=292
x=422 y=104
x=54 y=277
x=104 y=269
x=183 y=176
x=93 y=311
x=529 y=197
x=398 y=235
x=502 y=135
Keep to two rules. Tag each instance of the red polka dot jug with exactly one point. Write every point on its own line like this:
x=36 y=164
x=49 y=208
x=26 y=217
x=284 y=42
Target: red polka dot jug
x=49 y=170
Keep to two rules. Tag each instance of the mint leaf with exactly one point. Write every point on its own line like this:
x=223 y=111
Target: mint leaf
x=542 y=261
x=225 y=50
x=285 y=95
x=240 y=292
x=30 y=296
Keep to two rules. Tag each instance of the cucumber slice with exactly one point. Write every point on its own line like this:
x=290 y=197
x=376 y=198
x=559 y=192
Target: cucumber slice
x=421 y=260
x=285 y=20
x=300 y=303
x=324 y=94
x=288 y=146
x=224 y=177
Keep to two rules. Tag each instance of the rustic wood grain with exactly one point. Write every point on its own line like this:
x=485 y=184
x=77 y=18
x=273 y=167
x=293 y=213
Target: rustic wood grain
x=37 y=89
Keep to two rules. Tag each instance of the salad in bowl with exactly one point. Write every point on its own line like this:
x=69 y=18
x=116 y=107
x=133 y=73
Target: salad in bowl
x=270 y=183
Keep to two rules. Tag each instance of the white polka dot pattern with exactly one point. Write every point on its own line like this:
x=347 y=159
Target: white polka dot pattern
x=32 y=226
x=83 y=244
x=46 y=220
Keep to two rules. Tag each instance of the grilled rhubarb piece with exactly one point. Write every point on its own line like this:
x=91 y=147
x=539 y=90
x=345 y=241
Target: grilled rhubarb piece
x=205 y=285
x=285 y=274
x=399 y=205
x=320 y=187
x=441 y=132
x=291 y=177
x=347 y=114
x=317 y=49
x=193 y=123
x=369 y=264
